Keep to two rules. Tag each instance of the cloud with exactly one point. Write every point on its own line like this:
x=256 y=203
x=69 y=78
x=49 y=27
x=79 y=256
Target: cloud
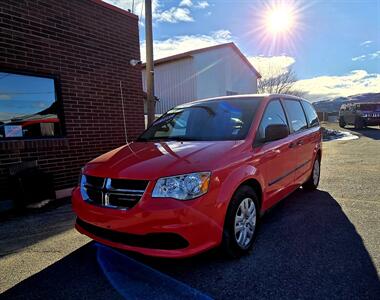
x=355 y=82
x=138 y=5
x=184 y=43
x=170 y=15
x=271 y=66
x=187 y=3
x=358 y=58
x=124 y=4
x=366 y=43
x=4 y=96
x=174 y=15
x=373 y=55
x=202 y=4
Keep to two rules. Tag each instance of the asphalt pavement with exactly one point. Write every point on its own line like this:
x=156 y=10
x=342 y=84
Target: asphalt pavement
x=318 y=245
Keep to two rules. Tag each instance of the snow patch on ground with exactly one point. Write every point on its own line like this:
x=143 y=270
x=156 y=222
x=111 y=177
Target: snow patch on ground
x=336 y=135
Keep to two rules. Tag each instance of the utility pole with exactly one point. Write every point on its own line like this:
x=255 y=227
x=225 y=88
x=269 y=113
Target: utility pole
x=149 y=62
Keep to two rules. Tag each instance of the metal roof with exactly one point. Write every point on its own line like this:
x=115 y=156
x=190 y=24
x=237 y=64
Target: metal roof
x=192 y=52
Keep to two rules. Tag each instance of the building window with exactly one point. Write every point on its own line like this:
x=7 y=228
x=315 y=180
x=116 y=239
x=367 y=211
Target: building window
x=29 y=107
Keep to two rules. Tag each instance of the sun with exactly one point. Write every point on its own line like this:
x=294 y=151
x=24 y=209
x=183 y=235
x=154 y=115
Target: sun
x=280 y=20
x=279 y=25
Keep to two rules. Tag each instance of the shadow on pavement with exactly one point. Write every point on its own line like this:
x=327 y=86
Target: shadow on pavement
x=370 y=132
x=20 y=231
x=307 y=248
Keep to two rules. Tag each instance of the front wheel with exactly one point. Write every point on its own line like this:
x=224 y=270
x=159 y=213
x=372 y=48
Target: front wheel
x=342 y=124
x=241 y=222
x=312 y=183
x=359 y=123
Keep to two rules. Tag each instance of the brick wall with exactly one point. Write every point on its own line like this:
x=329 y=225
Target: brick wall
x=87 y=45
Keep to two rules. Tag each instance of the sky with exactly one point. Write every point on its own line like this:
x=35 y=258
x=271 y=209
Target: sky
x=332 y=45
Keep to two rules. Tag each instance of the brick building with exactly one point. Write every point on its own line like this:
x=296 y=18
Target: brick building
x=67 y=90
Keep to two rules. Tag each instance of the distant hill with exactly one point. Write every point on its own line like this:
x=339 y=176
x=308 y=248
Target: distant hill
x=333 y=105
x=7 y=115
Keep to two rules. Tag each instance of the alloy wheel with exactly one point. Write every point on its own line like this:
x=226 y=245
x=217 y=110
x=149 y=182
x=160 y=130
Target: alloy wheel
x=245 y=222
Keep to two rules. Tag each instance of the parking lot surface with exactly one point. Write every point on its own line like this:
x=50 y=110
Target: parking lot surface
x=319 y=245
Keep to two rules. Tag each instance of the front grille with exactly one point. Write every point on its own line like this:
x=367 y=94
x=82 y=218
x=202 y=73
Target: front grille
x=163 y=241
x=95 y=181
x=374 y=115
x=113 y=193
x=129 y=184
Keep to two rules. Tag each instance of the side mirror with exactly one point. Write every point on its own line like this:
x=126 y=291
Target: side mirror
x=276 y=132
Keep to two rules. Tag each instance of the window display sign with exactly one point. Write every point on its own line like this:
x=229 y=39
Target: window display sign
x=29 y=107
x=13 y=130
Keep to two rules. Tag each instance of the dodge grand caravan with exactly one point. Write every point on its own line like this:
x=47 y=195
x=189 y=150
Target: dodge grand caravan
x=201 y=176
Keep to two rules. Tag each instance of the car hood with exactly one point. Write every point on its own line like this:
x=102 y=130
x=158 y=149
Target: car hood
x=150 y=160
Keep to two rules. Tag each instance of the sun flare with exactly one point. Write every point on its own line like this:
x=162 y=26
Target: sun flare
x=280 y=20
x=279 y=25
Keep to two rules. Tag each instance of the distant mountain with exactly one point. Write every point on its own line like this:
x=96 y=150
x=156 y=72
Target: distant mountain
x=333 y=105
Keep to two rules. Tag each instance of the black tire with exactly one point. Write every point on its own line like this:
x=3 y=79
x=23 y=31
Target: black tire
x=230 y=245
x=311 y=184
x=359 y=123
x=342 y=124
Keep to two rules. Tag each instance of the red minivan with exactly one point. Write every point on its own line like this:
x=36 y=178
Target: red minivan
x=201 y=176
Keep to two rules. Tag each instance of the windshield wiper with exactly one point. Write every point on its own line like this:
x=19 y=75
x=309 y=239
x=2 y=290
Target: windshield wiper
x=141 y=139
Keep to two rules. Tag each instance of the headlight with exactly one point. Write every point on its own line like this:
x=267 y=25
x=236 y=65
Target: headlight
x=83 y=189
x=80 y=177
x=182 y=187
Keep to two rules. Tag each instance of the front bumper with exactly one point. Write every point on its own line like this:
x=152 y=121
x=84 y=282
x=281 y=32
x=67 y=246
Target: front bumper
x=185 y=228
x=372 y=121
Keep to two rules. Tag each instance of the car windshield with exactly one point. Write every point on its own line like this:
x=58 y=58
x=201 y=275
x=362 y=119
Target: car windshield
x=214 y=120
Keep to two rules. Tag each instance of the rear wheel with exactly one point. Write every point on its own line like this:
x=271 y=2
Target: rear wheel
x=312 y=183
x=241 y=222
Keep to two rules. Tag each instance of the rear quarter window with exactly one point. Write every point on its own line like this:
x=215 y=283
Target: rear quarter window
x=311 y=114
x=296 y=115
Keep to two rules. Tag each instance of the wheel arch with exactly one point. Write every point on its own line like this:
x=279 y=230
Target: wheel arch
x=255 y=184
x=319 y=154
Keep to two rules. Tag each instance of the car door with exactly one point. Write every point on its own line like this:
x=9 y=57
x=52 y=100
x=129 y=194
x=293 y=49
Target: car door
x=301 y=139
x=277 y=158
